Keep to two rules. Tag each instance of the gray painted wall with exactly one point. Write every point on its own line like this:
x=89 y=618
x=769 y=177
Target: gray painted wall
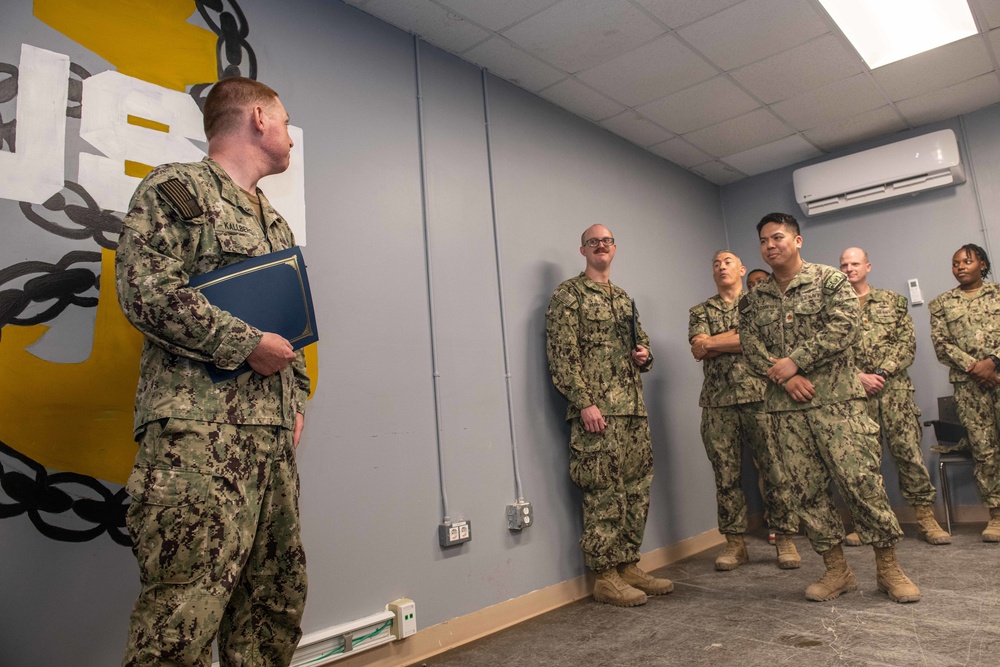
x=368 y=460
x=910 y=237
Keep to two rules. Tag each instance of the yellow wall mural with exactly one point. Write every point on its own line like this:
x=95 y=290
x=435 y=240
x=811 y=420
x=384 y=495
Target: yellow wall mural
x=77 y=417
x=146 y=39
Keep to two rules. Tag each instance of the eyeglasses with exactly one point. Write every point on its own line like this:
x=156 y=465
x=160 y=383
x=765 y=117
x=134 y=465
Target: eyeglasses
x=593 y=243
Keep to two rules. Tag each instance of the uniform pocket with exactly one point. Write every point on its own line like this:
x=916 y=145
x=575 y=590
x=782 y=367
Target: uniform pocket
x=169 y=521
x=243 y=245
x=589 y=469
x=766 y=321
x=598 y=323
x=589 y=462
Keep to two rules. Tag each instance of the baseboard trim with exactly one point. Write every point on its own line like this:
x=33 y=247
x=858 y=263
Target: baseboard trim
x=458 y=631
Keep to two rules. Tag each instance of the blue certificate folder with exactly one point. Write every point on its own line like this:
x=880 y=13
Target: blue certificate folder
x=270 y=292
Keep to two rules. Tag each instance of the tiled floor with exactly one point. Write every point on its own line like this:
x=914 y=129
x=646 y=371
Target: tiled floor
x=757 y=615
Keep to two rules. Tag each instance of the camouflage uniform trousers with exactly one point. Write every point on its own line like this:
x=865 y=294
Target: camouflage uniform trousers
x=614 y=471
x=723 y=431
x=979 y=412
x=899 y=417
x=837 y=442
x=215 y=528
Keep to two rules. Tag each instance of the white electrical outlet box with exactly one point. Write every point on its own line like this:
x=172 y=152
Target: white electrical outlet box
x=405 y=623
x=916 y=297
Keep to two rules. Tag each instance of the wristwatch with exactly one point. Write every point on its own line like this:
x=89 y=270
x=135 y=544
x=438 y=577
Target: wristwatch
x=995 y=360
x=882 y=373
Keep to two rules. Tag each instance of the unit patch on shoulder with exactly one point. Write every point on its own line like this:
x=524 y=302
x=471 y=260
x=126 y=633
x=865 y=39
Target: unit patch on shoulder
x=182 y=199
x=834 y=282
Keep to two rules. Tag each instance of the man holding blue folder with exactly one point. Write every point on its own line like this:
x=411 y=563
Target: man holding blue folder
x=214 y=514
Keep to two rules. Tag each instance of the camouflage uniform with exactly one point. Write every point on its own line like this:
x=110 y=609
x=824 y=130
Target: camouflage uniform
x=214 y=516
x=589 y=349
x=965 y=331
x=815 y=323
x=733 y=412
x=888 y=342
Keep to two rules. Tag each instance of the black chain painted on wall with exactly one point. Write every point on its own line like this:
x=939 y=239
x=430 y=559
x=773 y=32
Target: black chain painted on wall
x=92 y=221
x=61 y=282
x=63 y=506
x=232 y=29
x=8 y=92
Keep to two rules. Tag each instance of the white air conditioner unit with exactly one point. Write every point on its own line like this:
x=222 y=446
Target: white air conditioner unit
x=903 y=168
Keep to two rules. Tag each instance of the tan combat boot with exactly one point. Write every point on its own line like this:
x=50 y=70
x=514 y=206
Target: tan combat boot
x=992 y=532
x=643 y=581
x=734 y=555
x=610 y=589
x=928 y=527
x=837 y=579
x=788 y=557
x=891 y=579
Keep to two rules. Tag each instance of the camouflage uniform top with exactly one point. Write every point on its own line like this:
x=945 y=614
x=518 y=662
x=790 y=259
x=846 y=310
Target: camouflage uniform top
x=815 y=323
x=589 y=343
x=965 y=330
x=887 y=339
x=728 y=379
x=184 y=220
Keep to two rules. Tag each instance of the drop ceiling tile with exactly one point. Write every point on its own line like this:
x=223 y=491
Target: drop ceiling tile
x=653 y=70
x=497 y=14
x=739 y=134
x=831 y=103
x=636 y=129
x=935 y=69
x=991 y=10
x=679 y=13
x=718 y=173
x=584 y=33
x=952 y=101
x=800 y=69
x=699 y=106
x=994 y=37
x=680 y=152
x=521 y=69
x=772 y=156
x=868 y=125
x=577 y=98
x=754 y=29
x=438 y=26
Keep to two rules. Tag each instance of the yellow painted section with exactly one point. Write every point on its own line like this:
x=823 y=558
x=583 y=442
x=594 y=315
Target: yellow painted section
x=146 y=39
x=137 y=169
x=145 y=122
x=75 y=417
x=78 y=417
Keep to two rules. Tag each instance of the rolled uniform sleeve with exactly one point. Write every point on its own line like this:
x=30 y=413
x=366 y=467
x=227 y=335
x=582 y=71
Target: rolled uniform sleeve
x=562 y=324
x=643 y=339
x=302 y=383
x=754 y=349
x=698 y=323
x=946 y=345
x=151 y=279
x=902 y=345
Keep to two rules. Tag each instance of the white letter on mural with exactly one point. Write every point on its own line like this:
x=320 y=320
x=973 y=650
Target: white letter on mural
x=35 y=170
x=109 y=98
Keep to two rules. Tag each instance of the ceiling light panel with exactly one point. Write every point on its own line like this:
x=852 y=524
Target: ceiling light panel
x=884 y=31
